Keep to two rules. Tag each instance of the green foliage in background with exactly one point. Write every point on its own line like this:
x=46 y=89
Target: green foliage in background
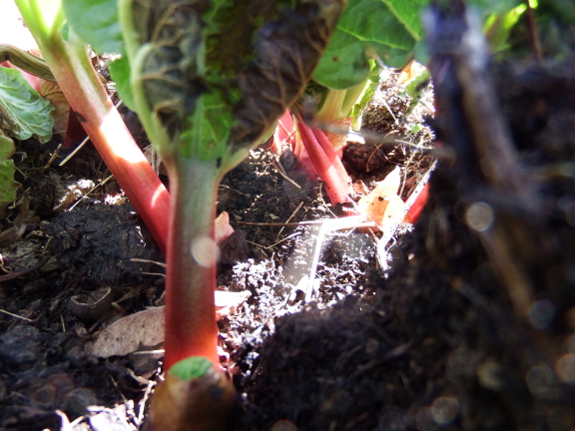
x=23 y=114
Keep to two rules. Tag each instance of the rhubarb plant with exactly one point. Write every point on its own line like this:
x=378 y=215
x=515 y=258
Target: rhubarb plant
x=208 y=80
x=369 y=31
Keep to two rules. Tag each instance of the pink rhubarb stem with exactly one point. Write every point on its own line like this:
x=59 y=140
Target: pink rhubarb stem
x=326 y=162
x=329 y=149
x=191 y=328
x=73 y=70
x=418 y=205
x=285 y=133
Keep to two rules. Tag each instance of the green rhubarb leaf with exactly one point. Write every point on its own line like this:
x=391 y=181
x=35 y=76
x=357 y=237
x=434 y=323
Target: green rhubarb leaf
x=366 y=95
x=369 y=29
x=6 y=146
x=23 y=112
x=216 y=75
x=407 y=12
x=373 y=21
x=8 y=186
x=208 y=131
x=96 y=22
x=120 y=73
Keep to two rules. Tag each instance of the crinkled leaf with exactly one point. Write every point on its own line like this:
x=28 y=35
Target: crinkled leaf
x=146 y=327
x=23 y=112
x=8 y=186
x=125 y=335
x=369 y=29
x=120 y=73
x=242 y=63
x=96 y=22
x=286 y=53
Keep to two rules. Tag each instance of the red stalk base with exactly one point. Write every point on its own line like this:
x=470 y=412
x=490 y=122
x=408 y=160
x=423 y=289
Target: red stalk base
x=191 y=328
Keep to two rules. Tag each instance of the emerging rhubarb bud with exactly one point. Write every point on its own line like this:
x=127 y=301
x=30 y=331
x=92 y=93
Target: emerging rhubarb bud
x=195 y=395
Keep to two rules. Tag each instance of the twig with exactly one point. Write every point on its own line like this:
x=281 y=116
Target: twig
x=101 y=183
x=534 y=39
x=18 y=317
x=73 y=153
x=269 y=247
x=371 y=155
x=86 y=139
x=14 y=275
x=271 y=224
x=144 y=400
x=160 y=264
x=149 y=352
x=159 y=274
x=284 y=174
x=139 y=260
x=53 y=157
x=384 y=103
x=289 y=218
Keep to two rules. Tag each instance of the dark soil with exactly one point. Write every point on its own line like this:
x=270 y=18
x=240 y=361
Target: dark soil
x=433 y=342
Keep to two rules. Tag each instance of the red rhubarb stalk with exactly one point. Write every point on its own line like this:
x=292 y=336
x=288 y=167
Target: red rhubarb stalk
x=327 y=146
x=192 y=251
x=418 y=205
x=285 y=133
x=71 y=66
x=101 y=120
x=326 y=162
x=75 y=133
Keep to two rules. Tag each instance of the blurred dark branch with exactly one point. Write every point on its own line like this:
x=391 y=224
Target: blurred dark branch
x=534 y=40
x=471 y=123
